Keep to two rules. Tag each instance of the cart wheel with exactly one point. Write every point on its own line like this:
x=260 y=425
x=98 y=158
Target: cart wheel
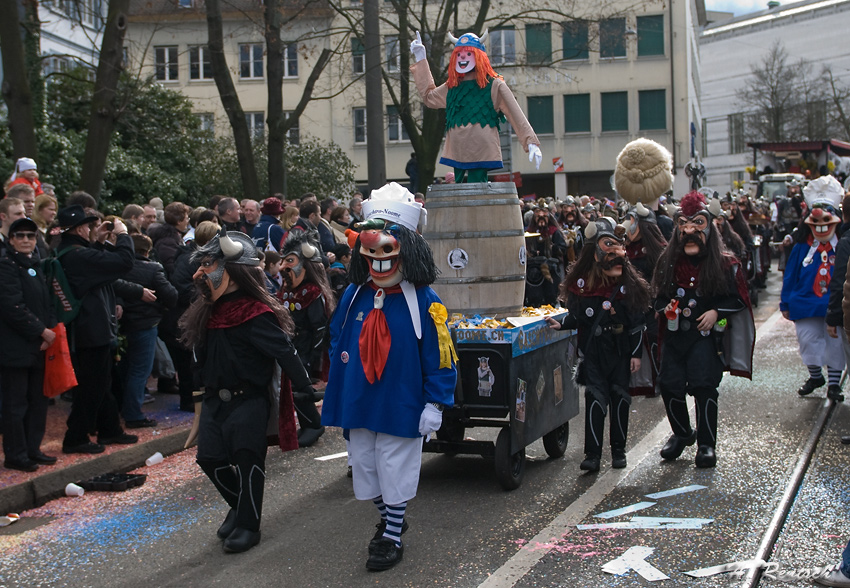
x=555 y=442
x=510 y=468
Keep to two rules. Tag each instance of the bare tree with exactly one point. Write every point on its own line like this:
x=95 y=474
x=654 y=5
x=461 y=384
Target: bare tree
x=838 y=95
x=16 y=86
x=769 y=96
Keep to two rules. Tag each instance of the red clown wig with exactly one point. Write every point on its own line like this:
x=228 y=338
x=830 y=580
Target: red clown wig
x=483 y=70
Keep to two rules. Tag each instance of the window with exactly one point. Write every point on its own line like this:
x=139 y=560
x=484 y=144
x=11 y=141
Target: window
x=652 y=110
x=612 y=37
x=615 y=111
x=186 y=3
x=393 y=53
x=290 y=60
x=650 y=39
x=256 y=124
x=165 y=60
x=200 y=66
x=359 y=116
x=397 y=132
x=294 y=133
x=736 y=133
x=502 y=46
x=251 y=61
x=358 y=56
x=91 y=12
x=207 y=120
x=540 y=114
x=575 y=39
x=577 y=113
x=55 y=64
x=538 y=43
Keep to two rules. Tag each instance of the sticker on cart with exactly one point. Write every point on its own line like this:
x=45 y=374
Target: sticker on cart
x=521 y=386
x=558 y=379
x=523 y=255
x=540 y=387
x=458 y=259
x=486 y=379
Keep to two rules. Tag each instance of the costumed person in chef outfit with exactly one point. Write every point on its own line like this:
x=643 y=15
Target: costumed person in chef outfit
x=476 y=100
x=700 y=293
x=238 y=331
x=608 y=300
x=805 y=286
x=392 y=363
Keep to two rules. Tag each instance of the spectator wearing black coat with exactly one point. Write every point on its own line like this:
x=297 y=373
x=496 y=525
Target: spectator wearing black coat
x=168 y=237
x=139 y=324
x=26 y=317
x=91 y=270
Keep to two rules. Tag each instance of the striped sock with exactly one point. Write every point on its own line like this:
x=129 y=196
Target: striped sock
x=395 y=520
x=382 y=508
x=815 y=372
x=834 y=376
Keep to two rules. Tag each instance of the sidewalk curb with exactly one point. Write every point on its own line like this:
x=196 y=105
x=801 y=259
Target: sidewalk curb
x=44 y=488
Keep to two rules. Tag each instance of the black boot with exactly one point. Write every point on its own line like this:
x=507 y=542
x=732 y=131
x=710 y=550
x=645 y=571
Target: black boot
x=224 y=478
x=834 y=393
x=676 y=445
x=618 y=429
x=706 y=458
x=706 y=405
x=228 y=525
x=250 y=468
x=384 y=554
x=811 y=385
x=307 y=437
x=241 y=540
x=591 y=463
x=594 y=425
x=618 y=458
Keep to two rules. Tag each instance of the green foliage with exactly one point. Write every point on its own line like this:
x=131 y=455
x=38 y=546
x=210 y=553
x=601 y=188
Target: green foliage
x=323 y=169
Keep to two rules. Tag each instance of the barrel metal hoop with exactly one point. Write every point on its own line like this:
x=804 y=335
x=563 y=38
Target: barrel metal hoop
x=474 y=234
x=482 y=279
x=454 y=203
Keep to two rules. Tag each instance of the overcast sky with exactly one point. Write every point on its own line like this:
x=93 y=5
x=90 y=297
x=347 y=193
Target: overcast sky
x=739 y=7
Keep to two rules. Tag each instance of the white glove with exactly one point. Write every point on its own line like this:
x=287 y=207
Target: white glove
x=430 y=421
x=417 y=48
x=535 y=155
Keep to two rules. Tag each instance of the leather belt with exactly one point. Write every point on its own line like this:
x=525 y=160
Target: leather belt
x=227 y=395
x=614 y=329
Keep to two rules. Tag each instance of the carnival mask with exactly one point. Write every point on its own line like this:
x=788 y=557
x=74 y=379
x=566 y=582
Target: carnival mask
x=293 y=270
x=211 y=278
x=380 y=249
x=465 y=61
x=694 y=232
x=823 y=220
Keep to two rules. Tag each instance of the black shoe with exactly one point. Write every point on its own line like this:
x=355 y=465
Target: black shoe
x=43 y=459
x=140 y=424
x=306 y=437
x=228 y=525
x=845 y=439
x=21 y=465
x=618 y=459
x=187 y=407
x=676 y=445
x=122 y=439
x=350 y=474
x=382 y=526
x=384 y=554
x=167 y=386
x=834 y=393
x=241 y=540
x=706 y=458
x=810 y=386
x=87 y=447
x=590 y=463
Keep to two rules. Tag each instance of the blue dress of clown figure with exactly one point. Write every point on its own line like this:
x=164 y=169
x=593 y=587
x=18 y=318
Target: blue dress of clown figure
x=476 y=100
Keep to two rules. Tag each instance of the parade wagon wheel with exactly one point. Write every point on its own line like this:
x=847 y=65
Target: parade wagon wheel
x=555 y=442
x=510 y=467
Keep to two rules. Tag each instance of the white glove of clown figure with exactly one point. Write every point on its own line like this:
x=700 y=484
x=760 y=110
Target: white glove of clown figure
x=417 y=48
x=430 y=421
x=535 y=155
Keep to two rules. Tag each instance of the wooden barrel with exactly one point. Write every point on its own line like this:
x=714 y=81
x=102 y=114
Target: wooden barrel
x=476 y=234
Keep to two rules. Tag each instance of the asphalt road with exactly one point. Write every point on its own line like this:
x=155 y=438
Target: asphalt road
x=465 y=531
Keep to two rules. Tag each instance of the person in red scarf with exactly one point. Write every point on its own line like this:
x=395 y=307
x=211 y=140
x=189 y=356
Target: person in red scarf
x=608 y=300
x=26 y=172
x=805 y=286
x=307 y=295
x=238 y=331
x=392 y=363
x=699 y=288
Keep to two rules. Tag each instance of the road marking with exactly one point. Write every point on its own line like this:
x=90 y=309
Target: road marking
x=625 y=510
x=521 y=563
x=675 y=491
x=635 y=559
x=332 y=456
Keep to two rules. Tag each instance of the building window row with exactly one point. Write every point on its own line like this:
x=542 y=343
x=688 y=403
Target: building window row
x=396 y=132
x=613 y=108
x=251 y=62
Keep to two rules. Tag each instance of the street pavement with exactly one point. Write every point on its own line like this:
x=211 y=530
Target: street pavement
x=465 y=531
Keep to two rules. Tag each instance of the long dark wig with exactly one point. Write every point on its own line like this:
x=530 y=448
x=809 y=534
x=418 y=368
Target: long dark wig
x=733 y=243
x=713 y=271
x=587 y=268
x=417 y=261
x=315 y=273
x=740 y=226
x=652 y=240
x=251 y=282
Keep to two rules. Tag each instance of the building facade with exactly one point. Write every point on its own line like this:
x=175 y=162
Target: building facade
x=588 y=85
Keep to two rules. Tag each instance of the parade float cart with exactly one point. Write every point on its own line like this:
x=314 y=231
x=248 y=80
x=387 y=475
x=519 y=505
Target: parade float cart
x=519 y=380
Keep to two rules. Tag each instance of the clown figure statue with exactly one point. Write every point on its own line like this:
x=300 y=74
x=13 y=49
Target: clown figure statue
x=476 y=100
x=607 y=300
x=805 y=286
x=392 y=363
x=699 y=289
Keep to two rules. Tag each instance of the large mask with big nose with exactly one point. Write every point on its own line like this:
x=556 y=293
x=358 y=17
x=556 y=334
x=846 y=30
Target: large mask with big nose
x=465 y=61
x=610 y=250
x=823 y=220
x=212 y=278
x=693 y=224
x=380 y=248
